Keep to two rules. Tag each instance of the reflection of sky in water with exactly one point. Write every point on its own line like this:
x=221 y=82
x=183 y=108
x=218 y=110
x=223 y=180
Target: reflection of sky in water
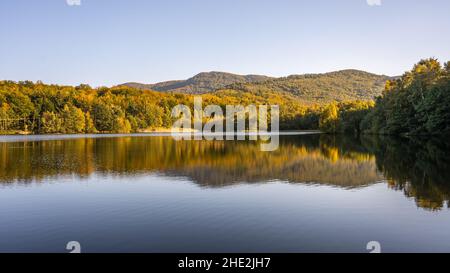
x=155 y=213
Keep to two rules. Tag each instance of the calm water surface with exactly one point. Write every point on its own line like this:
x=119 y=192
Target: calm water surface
x=316 y=193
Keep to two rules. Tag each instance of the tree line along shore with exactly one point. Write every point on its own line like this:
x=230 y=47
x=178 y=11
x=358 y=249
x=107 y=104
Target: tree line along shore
x=417 y=103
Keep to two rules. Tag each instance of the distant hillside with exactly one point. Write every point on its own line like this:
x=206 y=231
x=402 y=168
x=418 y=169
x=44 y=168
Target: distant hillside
x=342 y=85
x=205 y=82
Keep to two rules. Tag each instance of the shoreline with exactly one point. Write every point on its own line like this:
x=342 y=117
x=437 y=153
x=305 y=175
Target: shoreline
x=163 y=133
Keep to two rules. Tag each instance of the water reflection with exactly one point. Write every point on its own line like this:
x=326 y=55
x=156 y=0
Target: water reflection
x=420 y=168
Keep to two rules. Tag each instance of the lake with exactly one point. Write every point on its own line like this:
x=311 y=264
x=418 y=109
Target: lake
x=140 y=193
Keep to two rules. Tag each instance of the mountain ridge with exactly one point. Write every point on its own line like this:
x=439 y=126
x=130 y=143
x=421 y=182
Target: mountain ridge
x=203 y=82
x=341 y=85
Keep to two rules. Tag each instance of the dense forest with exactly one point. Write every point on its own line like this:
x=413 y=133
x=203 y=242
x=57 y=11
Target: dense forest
x=47 y=109
x=338 y=102
x=418 y=103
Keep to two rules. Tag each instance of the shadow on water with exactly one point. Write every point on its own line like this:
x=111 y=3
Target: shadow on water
x=418 y=167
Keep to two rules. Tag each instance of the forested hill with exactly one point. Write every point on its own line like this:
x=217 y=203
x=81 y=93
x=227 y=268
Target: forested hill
x=345 y=85
x=342 y=85
x=201 y=83
x=416 y=103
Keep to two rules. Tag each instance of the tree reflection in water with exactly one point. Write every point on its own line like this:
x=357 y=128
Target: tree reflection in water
x=420 y=168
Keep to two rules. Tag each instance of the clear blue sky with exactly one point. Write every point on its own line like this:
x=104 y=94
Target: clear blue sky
x=106 y=42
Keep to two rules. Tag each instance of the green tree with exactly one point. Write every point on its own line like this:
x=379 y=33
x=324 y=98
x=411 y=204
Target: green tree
x=89 y=124
x=153 y=115
x=51 y=123
x=351 y=115
x=5 y=111
x=74 y=120
x=103 y=117
x=329 y=119
x=415 y=104
x=121 y=125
